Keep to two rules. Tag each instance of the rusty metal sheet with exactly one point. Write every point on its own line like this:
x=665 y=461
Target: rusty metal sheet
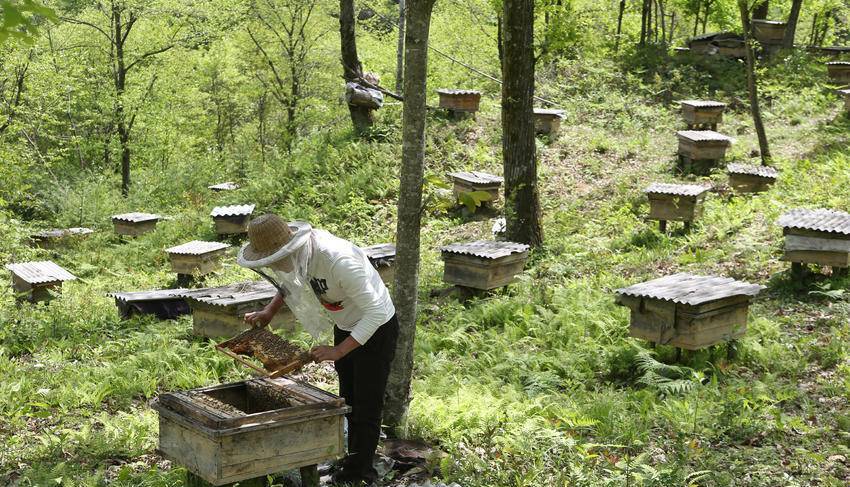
x=233 y=210
x=753 y=170
x=486 y=249
x=449 y=92
x=477 y=177
x=676 y=189
x=197 y=247
x=137 y=217
x=704 y=136
x=40 y=272
x=691 y=289
x=232 y=294
x=819 y=220
x=226 y=186
x=703 y=103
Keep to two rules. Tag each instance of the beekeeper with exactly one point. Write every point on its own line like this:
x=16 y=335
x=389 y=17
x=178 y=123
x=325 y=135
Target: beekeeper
x=327 y=281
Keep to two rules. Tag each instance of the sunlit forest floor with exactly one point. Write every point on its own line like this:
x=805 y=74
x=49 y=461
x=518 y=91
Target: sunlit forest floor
x=535 y=384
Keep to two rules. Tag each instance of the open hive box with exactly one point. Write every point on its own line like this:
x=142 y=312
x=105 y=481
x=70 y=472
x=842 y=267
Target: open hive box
x=838 y=71
x=48 y=238
x=547 y=121
x=749 y=178
x=700 y=150
x=468 y=181
x=769 y=31
x=135 y=224
x=232 y=220
x=675 y=202
x=483 y=264
x=166 y=304
x=243 y=430
x=688 y=311
x=382 y=257
x=816 y=237
x=34 y=281
x=702 y=113
x=459 y=100
x=196 y=258
x=219 y=311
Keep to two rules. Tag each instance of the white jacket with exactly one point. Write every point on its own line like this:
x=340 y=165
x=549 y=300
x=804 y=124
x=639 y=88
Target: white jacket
x=348 y=286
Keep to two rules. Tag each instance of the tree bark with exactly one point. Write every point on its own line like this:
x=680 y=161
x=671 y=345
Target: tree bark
x=751 y=84
x=522 y=205
x=399 y=61
x=361 y=117
x=619 y=25
x=791 y=28
x=406 y=285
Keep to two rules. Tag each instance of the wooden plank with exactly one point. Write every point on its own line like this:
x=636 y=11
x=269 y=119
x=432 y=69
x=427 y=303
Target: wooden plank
x=652 y=319
x=748 y=183
x=799 y=242
x=287 y=439
x=834 y=259
x=130 y=229
x=673 y=208
x=197 y=453
x=231 y=225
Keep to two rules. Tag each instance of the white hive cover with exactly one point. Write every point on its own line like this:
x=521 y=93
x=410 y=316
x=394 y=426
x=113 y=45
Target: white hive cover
x=384 y=251
x=476 y=177
x=136 y=217
x=838 y=63
x=40 y=272
x=63 y=232
x=226 y=186
x=676 y=189
x=444 y=91
x=704 y=136
x=690 y=289
x=703 y=103
x=820 y=220
x=487 y=249
x=549 y=111
x=233 y=210
x=753 y=170
x=197 y=247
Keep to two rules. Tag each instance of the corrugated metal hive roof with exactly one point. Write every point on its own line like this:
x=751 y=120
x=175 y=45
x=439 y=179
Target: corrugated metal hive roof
x=151 y=295
x=486 y=249
x=40 y=272
x=233 y=210
x=136 y=217
x=238 y=293
x=838 y=63
x=690 y=289
x=197 y=247
x=703 y=103
x=475 y=177
x=549 y=111
x=443 y=91
x=63 y=232
x=704 y=136
x=226 y=186
x=380 y=252
x=820 y=220
x=676 y=189
x=753 y=170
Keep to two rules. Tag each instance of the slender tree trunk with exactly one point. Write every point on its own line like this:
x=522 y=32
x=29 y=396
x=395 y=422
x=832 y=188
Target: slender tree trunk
x=706 y=14
x=500 y=43
x=399 y=60
x=814 y=29
x=696 y=19
x=751 y=84
x=643 y=22
x=662 y=15
x=619 y=25
x=121 y=127
x=361 y=117
x=761 y=10
x=406 y=285
x=791 y=28
x=522 y=204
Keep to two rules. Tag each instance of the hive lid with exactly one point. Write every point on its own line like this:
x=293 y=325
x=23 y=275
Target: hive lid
x=487 y=249
x=844 y=92
x=136 y=217
x=838 y=63
x=62 y=232
x=151 y=295
x=237 y=293
x=476 y=177
x=384 y=251
x=768 y=22
x=676 y=189
x=690 y=289
x=704 y=136
x=819 y=220
x=226 y=186
x=197 y=247
x=549 y=111
x=444 y=91
x=40 y=272
x=703 y=103
x=233 y=210
x=704 y=37
x=753 y=170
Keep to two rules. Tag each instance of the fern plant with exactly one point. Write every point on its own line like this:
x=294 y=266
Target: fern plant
x=667 y=380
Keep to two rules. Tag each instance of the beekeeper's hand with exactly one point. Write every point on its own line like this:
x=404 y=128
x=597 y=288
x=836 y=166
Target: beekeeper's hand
x=324 y=353
x=258 y=319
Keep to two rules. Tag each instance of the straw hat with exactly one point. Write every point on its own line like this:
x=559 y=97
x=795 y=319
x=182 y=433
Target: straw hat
x=266 y=235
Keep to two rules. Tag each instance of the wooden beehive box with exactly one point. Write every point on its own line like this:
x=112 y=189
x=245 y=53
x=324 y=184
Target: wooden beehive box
x=751 y=178
x=226 y=186
x=846 y=95
x=34 y=281
x=219 y=311
x=460 y=100
x=196 y=258
x=688 y=311
x=547 y=121
x=702 y=44
x=382 y=257
x=244 y=430
x=701 y=150
x=232 y=220
x=818 y=236
x=166 y=304
x=483 y=264
x=468 y=181
x=727 y=44
x=49 y=238
x=838 y=71
x=702 y=113
x=135 y=224
x=675 y=202
x=769 y=31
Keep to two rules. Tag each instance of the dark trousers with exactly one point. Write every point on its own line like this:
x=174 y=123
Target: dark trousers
x=362 y=382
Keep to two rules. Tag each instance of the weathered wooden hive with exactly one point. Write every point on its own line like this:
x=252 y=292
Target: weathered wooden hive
x=196 y=258
x=244 y=430
x=702 y=113
x=769 y=31
x=165 y=304
x=701 y=150
x=34 y=281
x=483 y=264
x=751 y=178
x=219 y=311
x=831 y=51
x=727 y=44
x=547 y=121
x=688 y=311
x=675 y=202
x=459 y=101
x=468 y=181
x=226 y=186
x=49 y=238
x=382 y=257
x=135 y=224
x=838 y=71
x=846 y=95
x=232 y=220
x=818 y=236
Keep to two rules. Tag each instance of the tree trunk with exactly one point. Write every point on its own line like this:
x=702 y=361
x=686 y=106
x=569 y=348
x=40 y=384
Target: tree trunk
x=619 y=25
x=406 y=284
x=751 y=84
x=643 y=21
x=500 y=44
x=760 y=10
x=791 y=28
x=120 y=73
x=399 y=60
x=522 y=205
x=361 y=117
